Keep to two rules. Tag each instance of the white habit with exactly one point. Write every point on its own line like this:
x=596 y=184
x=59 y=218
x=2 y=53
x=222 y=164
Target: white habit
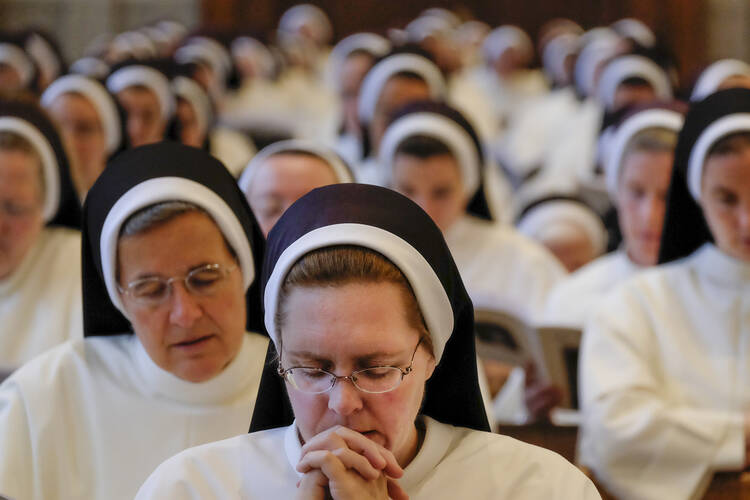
x=572 y=301
x=453 y=462
x=92 y=418
x=665 y=378
x=40 y=302
x=503 y=269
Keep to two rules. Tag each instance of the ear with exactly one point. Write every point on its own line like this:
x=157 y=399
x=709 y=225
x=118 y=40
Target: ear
x=430 y=368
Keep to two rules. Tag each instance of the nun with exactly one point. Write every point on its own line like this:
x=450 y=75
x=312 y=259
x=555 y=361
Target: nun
x=145 y=94
x=638 y=173
x=196 y=125
x=376 y=393
x=567 y=226
x=665 y=373
x=632 y=79
x=285 y=171
x=170 y=254
x=350 y=61
x=91 y=125
x=40 y=270
x=17 y=68
x=722 y=74
x=394 y=81
x=431 y=154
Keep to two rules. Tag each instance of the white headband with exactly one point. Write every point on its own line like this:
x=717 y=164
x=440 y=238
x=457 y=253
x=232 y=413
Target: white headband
x=598 y=49
x=425 y=26
x=547 y=216
x=248 y=47
x=378 y=76
x=631 y=66
x=738 y=122
x=637 y=30
x=92 y=67
x=49 y=161
x=97 y=95
x=650 y=118
x=193 y=93
x=307 y=15
x=19 y=61
x=505 y=37
x=206 y=50
x=134 y=44
x=555 y=53
x=164 y=189
x=137 y=74
x=41 y=51
x=340 y=170
x=368 y=42
x=441 y=128
x=712 y=77
x=431 y=297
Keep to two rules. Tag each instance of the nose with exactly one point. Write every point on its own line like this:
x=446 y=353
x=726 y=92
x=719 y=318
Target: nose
x=344 y=398
x=652 y=212
x=184 y=308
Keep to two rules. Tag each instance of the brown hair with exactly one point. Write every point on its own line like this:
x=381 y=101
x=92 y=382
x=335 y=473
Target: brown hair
x=652 y=140
x=730 y=144
x=346 y=264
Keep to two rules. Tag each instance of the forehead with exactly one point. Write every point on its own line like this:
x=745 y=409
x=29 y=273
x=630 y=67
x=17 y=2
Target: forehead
x=732 y=169
x=138 y=95
x=354 y=318
x=18 y=169
x=73 y=104
x=285 y=169
x=176 y=245
x=426 y=171
x=401 y=89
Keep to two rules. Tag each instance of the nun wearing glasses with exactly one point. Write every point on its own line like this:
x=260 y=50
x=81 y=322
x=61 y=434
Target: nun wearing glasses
x=170 y=255
x=40 y=270
x=374 y=391
x=665 y=366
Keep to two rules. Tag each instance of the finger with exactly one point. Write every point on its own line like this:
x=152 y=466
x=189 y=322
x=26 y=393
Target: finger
x=350 y=460
x=312 y=486
x=337 y=437
x=395 y=492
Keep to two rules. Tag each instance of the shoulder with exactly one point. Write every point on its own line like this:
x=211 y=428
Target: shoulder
x=520 y=469
x=74 y=359
x=593 y=276
x=216 y=469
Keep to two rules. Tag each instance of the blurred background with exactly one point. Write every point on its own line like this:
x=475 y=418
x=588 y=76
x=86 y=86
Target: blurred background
x=697 y=31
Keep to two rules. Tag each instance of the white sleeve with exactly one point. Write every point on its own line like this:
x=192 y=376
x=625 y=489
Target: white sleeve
x=193 y=475
x=16 y=459
x=639 y=442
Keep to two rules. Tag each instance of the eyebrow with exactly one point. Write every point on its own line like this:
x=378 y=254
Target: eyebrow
x=360 y=360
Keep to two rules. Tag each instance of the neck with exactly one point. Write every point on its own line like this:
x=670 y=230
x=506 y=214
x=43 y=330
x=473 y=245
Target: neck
x=416 y=437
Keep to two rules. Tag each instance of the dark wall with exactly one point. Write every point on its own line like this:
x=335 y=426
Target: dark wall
x=680 y=23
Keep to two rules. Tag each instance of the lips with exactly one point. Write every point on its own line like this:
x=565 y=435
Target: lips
x=195 y=343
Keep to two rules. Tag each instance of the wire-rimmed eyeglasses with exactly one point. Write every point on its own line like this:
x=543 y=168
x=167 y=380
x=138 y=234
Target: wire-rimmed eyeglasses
x=154 y=290
x=373 y=380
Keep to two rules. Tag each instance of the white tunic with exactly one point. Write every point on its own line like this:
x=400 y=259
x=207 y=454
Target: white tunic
x=92 y=418
x=40 y=302
x=453 y=462
x=571 y=302
x=502 y=269
x=665 y=378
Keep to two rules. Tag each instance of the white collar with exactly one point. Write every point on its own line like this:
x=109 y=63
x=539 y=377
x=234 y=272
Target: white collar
x=721 y=268
x=221 y=389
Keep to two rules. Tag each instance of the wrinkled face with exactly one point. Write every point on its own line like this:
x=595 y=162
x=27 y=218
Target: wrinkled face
x=574 y=250
x=192 y=337
x=190 y=133
x=725 y=199
x=281 y=180
x=144 y=121
x=433 y=183
x=397 y=92
x=629 y=95
x=21 y=203
x=351 y=327
x=84 y=137
x=353 y=71
x=642 y=203
x=9 y=77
